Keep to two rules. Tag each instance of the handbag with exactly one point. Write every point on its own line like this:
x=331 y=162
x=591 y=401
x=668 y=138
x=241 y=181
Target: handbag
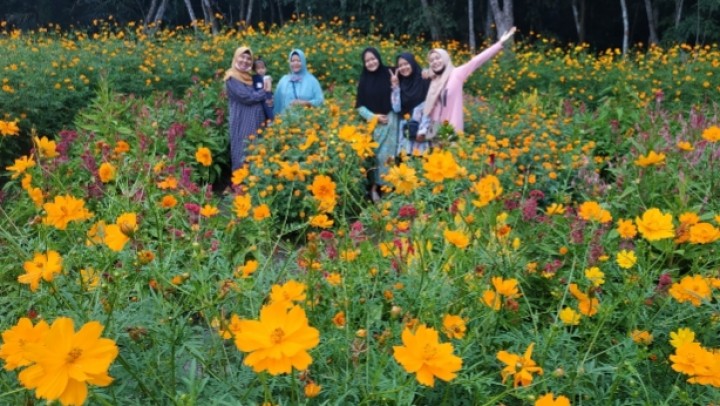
x=410 y=129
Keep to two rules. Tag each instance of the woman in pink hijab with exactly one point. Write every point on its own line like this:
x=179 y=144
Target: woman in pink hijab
x=444 y=101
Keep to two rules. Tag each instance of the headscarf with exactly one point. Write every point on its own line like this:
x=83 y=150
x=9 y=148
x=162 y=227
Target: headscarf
x=374 y=87
x=297 y=76
x=413 y=88
x=233 y=72
x=438 y=82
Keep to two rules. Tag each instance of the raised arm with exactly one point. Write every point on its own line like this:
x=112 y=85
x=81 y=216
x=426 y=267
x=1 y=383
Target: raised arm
x=478 y=60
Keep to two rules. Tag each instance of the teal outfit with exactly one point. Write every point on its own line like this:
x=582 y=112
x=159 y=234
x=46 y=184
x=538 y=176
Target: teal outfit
x=297 y=86
x=386 y=137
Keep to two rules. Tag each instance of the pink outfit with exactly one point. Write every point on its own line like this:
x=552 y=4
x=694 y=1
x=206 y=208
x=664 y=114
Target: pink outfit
x=452 y=112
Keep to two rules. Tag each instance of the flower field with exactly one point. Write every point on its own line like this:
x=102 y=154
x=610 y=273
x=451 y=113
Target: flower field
x=564 y=250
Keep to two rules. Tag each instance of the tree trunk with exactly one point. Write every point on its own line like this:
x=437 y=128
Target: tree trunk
x=193 y=19
x=504 y=19
x=489 y=22
x=626 y=27
x=430 y=21
x=578 y=8
x=652 y=19
x=151 y=12
x=678 y=12
x=160 y=12
x=471 y=26
x=210 y=16
x=280 y=12
x=248 y=15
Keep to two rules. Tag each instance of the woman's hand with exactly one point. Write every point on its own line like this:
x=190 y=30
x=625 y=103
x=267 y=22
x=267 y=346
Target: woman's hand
x=394 y=80
x=382 y=118
x=507 y=35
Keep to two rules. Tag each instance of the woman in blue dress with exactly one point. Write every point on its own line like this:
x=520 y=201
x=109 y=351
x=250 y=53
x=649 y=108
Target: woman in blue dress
x=299 y=87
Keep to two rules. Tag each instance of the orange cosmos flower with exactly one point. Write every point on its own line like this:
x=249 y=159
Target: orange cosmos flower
x=549 y=399
x=654 y=225
x=521 y=368
x=457 y=238
x=312 y=389
x=106 y=172
x=261 y=212
x=169 y=183
x=203 y=156
x=321 y=221
x=66 y=361
x=9 y=128
x=122 y=147
x=242 y=205
x=626 y=229
x=592 y=211
x=424 y=355
x=652 y=158
x=118 y=234
x=291 y=172
x=339 y=319
x=209 y=211
x=168 y=202
x=488 y=189
x=693 y=289
x=248 y=269
x=704 y=233
x=63 y=210
x=641 y=337
x=239 y=175
x=685 y=146
x=403 y=178
x=441 y=165
x=503 y=287
x=279 y=340
x=22 y=164
x=16 y=340
x=45 y=148
x=43 y=266
x=712 y=134
x=454 y=326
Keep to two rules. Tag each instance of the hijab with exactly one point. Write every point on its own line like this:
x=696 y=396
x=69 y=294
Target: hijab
x=297 y=76
x=413 y=88
x=374 y=87
x=237 y=74
x=438 y=81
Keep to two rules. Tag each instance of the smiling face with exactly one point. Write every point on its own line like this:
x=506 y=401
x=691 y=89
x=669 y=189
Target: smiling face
x=295 y=63
x=436 y=62
x=243 y=62
x=404 y=67
x=371 y=62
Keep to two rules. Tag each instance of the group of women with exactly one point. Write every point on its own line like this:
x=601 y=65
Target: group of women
x=408 y=103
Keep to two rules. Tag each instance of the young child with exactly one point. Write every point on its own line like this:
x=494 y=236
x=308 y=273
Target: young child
x=263 y=81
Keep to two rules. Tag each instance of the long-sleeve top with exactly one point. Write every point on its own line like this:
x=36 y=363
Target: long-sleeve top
x=308 y=88
x=245 y=117
x=452 y=109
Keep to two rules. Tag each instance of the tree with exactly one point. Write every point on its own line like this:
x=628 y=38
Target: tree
x=471 y=26
x=626 y=27
x=578 y=8
x=651 y=12
x=504 y=18
x=191 y=12
x=432 y=25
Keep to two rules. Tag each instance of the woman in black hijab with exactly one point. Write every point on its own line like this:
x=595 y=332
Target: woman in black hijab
x=409 y=91
x=373 y=101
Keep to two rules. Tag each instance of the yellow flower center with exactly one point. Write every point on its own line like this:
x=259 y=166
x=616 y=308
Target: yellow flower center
x=73 y=355
x=277 y=335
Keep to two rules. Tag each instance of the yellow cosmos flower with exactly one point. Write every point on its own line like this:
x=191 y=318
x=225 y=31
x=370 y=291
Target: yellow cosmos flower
x=652 y=158
x=291 y=291
x=364 y=145
x=242 y=205
x=681 y=337
x=203 y=156
x=45 y=148
x=595 y=275
x=169 y=183
x=63 y=210
x=312 y=390
x=17 y=340
x=106 y=172
x=549 y=399
x=334 y=278
x=21 y=165
x=592 y=211
x=441 y=165
x=588 y=306
x=711 y=134
x=626 y=259
x=702 y=365
x=555 y=209
x=655 y=225
x=685 y=146
x=626 y=229
x=521 y=368
x=569 y=316
x=65 y=361
x=36 y=195
x=248 y=269
x=507 y=288
x=9 y=128
x=454 y=326
x=487 y=189
x=292 y=172
x=279 y=341
x=693 y=289
x=239 y=175
x=209 y=211
x=424 y=355
x=457 y=238
x=403 y=178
